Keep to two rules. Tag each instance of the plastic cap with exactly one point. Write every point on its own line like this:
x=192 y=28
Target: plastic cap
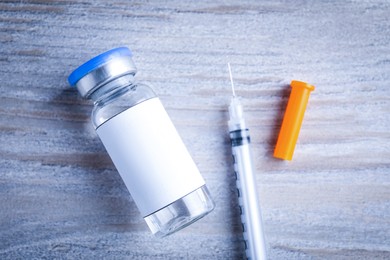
x=292 y=120
x=102 y=69
x=96 y=62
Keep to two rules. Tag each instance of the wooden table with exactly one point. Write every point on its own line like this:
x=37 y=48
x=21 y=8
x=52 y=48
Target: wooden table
x=60 y=195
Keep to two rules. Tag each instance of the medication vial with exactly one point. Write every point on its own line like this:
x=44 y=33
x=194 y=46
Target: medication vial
x=142 y=142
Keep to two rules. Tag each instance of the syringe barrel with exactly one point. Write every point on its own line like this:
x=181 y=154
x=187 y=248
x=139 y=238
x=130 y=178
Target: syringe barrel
x=248 y=198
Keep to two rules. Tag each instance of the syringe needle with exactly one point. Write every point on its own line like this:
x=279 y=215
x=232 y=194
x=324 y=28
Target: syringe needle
x=231 y=79
x=235 y=108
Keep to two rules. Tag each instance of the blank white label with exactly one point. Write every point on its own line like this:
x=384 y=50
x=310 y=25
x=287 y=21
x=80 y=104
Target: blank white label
x=150 y=156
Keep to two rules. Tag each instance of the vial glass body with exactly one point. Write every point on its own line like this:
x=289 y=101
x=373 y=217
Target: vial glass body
x=122 y=103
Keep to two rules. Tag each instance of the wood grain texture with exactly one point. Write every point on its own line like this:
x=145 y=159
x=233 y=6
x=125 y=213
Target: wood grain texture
x=61 y=197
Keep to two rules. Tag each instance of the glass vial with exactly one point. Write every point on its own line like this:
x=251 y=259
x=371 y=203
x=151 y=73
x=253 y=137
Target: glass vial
x=142 y=142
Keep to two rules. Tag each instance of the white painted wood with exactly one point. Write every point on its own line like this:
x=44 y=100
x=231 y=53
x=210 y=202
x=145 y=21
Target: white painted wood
x=61 y=197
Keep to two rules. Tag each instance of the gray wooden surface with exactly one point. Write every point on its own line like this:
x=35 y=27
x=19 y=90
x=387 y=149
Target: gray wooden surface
x=61 y=197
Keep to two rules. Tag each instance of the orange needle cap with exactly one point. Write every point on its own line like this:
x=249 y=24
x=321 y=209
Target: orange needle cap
x=292 y=120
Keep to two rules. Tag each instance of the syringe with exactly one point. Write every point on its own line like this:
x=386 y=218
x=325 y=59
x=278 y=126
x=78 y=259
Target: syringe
x=245 y=180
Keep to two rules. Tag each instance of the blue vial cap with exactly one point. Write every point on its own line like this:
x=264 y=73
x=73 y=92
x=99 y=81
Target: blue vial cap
x=96 y=62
